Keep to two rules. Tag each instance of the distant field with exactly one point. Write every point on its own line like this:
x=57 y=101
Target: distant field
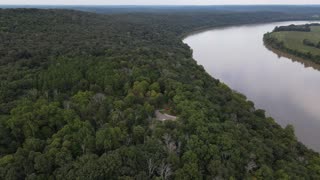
x=294 y=40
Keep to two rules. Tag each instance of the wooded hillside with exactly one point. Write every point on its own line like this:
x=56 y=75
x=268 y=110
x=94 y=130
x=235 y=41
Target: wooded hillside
x=79 y=90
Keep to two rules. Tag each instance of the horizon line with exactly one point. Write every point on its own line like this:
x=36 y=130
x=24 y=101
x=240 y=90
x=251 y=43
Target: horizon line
x=160 y=5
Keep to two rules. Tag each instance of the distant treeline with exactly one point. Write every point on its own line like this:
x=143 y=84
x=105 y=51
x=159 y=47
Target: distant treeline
x=292 y=27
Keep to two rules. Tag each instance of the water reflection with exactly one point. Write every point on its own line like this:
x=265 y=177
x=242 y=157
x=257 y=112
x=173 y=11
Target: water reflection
x=285 y=88
x=306 y=63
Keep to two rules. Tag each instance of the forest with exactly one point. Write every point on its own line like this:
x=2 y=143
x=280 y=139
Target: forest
x=79 y=91
x=292 y=27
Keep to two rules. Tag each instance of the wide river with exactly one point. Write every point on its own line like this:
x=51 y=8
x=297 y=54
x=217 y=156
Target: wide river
x=288 y=90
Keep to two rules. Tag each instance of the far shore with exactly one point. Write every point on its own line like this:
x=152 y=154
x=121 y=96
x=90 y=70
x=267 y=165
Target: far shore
x=306 y=62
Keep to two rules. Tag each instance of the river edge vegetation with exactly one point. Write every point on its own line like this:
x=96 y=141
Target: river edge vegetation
x=79 y=91
x=298 y=40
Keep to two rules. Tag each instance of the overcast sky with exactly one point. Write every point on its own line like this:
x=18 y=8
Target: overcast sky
x=156 y=2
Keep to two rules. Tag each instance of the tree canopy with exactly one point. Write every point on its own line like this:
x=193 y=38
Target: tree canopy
x=79 y=90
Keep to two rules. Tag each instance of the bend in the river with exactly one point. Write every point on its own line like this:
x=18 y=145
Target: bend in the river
x=287 y=89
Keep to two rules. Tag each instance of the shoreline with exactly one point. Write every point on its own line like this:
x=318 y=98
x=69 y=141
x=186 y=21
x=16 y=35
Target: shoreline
x=305 y=62
x=301 y=61
x=207 y=28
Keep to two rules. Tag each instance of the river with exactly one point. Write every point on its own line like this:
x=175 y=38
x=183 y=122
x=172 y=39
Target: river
x=288 y=90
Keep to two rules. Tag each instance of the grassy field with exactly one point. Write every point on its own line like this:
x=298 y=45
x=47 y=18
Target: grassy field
x=294 y=39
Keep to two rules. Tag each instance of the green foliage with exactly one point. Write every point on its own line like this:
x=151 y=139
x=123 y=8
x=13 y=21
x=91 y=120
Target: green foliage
x=300 y=41
x=79 y=90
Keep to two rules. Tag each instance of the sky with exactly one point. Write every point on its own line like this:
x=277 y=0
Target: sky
x=154 y=2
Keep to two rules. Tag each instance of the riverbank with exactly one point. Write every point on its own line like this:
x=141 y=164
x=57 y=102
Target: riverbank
x=306 y=63
x=222 y=26
x=290 y=53
x=277 y=86
x=297 y=41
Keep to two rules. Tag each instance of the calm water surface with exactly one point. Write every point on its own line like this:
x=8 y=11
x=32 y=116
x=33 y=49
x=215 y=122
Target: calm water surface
x=288 y=90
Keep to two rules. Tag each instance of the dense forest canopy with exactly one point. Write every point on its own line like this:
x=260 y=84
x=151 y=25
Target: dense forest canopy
x=79 y=90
